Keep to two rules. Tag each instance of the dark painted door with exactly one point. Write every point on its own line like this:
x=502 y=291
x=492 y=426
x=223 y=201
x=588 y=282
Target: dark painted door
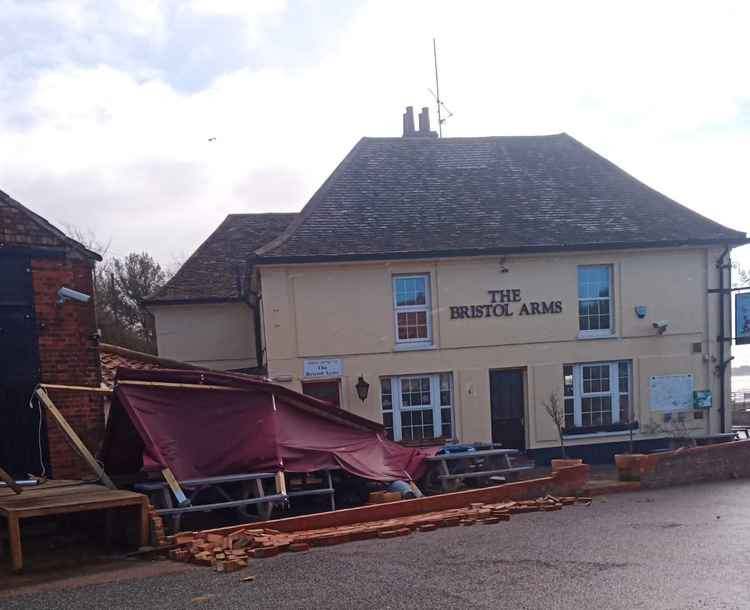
x=19 y=369
x=507 y=405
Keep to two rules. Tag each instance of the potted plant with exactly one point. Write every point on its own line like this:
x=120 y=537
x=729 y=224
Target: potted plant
x=556 y=410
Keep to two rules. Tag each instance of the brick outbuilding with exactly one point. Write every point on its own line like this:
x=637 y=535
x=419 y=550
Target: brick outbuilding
x=45 y=339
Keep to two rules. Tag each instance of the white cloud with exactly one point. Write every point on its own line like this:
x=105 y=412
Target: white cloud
x=659 y=88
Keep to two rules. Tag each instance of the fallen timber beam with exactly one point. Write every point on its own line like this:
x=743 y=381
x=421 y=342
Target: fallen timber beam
x=74 y=438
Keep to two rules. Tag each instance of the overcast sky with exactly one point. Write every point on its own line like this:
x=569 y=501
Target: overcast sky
x=107 y=107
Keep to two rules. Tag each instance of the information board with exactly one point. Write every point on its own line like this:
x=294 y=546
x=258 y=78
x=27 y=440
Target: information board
x=742 y=318
x=671 y=392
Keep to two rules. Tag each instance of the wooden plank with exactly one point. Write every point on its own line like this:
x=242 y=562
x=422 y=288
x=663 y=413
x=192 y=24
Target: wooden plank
x=179 y=495
x=76 y=388
x=9 y=481
x=184 y=386
x=76 y=440
x=14 y=538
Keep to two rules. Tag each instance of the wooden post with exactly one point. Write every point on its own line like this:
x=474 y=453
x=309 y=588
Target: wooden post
x=280 y=483
x=169 y=477
x=14 y=537
x=144 y=523
x=9 y=481
x=75 y=439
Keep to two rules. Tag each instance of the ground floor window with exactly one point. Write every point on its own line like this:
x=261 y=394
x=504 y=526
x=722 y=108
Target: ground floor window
x=417 y=407
x=323 y=390
x=597 y=397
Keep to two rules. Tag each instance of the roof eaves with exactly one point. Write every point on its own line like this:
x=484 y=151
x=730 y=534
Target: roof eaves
x=473 y=252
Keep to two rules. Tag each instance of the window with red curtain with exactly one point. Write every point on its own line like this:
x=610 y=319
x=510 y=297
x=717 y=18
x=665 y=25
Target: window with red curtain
x=323 y=390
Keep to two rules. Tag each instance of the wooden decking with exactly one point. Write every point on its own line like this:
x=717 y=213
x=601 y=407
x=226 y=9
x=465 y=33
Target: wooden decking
x=61 y=497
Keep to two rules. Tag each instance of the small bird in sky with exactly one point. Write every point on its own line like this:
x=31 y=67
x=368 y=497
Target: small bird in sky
x=212 y=139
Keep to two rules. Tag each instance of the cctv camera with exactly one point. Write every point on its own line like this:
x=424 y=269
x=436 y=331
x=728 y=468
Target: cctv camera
x=661 y=326
x=68 y=293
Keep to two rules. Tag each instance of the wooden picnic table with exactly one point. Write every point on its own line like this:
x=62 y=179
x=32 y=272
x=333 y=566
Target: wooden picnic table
x=454 y=467
x=60 y=497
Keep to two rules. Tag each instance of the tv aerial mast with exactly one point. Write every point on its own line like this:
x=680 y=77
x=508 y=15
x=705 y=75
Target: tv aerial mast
x=436 y=94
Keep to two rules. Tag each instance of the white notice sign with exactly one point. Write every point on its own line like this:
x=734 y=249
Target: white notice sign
x=671 y=392
x=322 y=368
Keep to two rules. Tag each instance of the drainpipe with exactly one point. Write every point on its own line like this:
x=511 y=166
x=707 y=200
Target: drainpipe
x=721 y=265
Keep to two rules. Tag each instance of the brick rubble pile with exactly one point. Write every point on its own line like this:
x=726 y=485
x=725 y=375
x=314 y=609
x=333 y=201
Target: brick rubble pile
x=231 y=552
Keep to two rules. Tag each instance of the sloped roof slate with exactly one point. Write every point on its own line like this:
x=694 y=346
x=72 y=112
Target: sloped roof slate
x=393 y=197
x=216 y=269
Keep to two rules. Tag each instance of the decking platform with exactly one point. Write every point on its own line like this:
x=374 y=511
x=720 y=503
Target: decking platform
x=60 y=497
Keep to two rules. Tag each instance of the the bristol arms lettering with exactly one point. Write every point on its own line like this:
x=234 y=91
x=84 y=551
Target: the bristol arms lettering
x=500 y=306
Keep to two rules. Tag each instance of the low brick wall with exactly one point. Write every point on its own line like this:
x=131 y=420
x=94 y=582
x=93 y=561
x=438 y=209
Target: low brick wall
x=564 y=482
x=695 y=464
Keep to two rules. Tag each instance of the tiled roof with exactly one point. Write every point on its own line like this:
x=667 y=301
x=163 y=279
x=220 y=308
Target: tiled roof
x=111 y=357
x=393 y=197
x=22 y=228
x=218 y=267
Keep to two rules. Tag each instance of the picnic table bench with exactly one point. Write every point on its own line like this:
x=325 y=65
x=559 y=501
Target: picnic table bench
x=249 y=491
x=454 y=467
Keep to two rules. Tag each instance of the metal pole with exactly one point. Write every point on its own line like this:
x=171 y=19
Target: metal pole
x=437 y=89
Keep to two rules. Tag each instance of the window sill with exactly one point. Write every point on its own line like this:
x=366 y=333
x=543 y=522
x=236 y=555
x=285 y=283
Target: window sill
x=583 y=334
x=571 y=437
x=413 y=347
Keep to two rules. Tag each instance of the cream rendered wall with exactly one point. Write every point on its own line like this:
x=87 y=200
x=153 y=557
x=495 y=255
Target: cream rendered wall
x=217 y=335
x=346 y=311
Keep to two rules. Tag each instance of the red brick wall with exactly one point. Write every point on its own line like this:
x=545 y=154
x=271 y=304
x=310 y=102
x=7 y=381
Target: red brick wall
x=691 y=465
x=68 y=355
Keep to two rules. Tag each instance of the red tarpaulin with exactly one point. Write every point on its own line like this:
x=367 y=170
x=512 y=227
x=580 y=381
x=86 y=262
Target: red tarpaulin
x=262 y=427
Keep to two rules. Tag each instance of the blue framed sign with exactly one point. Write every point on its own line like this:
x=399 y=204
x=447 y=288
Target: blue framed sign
x=742 y=318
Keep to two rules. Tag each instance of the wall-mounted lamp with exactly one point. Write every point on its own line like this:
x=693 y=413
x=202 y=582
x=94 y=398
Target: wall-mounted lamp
x=363 y=388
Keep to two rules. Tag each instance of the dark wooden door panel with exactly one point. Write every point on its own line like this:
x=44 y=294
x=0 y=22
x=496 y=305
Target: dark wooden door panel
x=507 y=408
x=19 y=369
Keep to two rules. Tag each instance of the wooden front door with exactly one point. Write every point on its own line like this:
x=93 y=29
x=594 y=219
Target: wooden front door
x=507 y=407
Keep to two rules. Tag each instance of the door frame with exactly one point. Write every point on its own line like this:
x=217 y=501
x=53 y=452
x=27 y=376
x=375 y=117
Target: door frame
x=524 y=370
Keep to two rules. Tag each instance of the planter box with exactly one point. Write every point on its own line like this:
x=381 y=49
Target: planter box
x=564 y=463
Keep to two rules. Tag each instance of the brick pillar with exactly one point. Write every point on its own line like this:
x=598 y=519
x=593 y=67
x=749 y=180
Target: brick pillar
x=68 y=355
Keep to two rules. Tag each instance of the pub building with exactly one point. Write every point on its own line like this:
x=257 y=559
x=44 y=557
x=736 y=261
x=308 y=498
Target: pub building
x=450 y=287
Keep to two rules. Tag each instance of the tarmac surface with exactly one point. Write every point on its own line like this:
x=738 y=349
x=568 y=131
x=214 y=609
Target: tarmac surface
x=686 y=547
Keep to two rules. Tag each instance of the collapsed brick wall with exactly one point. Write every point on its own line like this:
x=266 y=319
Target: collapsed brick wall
x=710 y=463
x=68 y=355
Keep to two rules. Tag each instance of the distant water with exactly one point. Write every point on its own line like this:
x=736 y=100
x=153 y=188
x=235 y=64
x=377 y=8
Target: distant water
x=740 y=383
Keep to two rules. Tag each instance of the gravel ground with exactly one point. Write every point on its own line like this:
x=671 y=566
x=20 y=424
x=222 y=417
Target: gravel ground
x=677 y=548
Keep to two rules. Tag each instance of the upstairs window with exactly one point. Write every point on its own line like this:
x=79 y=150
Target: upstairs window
x=595 y=317
x=411 y=298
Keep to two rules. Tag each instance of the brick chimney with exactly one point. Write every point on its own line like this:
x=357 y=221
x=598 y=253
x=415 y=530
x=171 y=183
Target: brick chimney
x=424 y=120
x=409 y=122
x=424 y=124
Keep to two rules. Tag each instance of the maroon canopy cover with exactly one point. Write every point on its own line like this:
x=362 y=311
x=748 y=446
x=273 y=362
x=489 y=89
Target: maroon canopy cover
x=263 y=427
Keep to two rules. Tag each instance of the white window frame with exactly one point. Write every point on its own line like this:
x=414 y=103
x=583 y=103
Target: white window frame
x=600 y=332
x=427 y=308
x=437 y=408
x=613 y=394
